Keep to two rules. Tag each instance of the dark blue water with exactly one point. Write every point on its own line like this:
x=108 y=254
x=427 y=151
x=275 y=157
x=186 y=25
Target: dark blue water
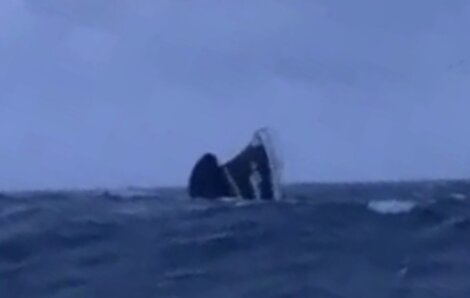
x=378 y=240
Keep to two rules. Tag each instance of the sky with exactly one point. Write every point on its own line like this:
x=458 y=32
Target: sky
x=116 y=93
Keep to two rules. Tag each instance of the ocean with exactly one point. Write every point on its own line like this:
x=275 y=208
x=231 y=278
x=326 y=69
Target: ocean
x=401 y=239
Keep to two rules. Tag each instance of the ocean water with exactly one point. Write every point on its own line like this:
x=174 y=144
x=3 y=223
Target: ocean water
x=324 y=240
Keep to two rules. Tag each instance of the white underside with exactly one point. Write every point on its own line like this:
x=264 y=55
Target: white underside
x=255 y=180
x=265 y=136
x=232 y=183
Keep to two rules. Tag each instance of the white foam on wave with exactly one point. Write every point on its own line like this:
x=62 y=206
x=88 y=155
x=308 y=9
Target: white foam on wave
x=129 y=193
x=132 y=210
x=229 y=199
x=458 y=196
x=237 y=202
x=13 y=210
x=391 y=206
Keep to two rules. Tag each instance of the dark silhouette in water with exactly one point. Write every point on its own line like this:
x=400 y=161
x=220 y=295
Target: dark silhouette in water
x=253 y=174
x=208 y=180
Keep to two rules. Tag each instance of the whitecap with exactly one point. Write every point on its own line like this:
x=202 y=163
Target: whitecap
x=15 y=210
x=391 y=206
x=132 y=210
x=230 y=199
x=458 y=196
x=238 y=202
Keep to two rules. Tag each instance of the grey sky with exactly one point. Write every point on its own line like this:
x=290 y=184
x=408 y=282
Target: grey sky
x=111 y=93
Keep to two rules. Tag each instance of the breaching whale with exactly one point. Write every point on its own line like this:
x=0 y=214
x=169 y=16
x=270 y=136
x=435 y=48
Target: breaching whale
x=254 y=173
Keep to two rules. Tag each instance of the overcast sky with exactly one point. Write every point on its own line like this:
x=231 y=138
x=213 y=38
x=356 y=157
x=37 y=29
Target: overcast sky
x=111 y=93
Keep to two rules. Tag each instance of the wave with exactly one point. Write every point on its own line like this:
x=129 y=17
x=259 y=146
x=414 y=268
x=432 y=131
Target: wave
x=172 y=246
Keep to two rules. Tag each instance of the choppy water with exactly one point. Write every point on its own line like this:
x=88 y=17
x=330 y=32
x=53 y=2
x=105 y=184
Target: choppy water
x=379 y=240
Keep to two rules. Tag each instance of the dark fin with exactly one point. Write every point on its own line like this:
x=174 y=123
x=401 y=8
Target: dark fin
x=255 y=172
x=207 y=179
